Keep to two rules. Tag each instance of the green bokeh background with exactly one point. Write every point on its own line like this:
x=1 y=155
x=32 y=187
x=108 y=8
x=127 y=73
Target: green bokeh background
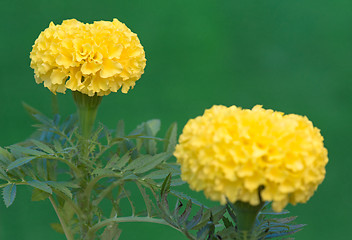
x=292 y=56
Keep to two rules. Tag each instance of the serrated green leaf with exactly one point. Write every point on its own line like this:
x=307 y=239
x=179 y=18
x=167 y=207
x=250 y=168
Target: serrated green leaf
x=120 y=129
x=26 y=150
x=40 y=185
x=58 y=147
x=112 y=162
x=62 y=187
x=231 y=211
x=270 y=212
x=186 y=197
x=130 y=176
x=177 y=182
x=161 y=174
x=150 y=163
x=122 y=161
x=154 y=126
x=57 y=227
x=70 y=184
x=171 y=138
x=102 y=171
x=39 y=195
x=282 y=220
x=3 y=175
x=42 y=168
x=42 y=146
x=111 y=232
x=136 y=163
x=203 y=233
x=184 y=216
x=147 y=201
x=5 y=156
x=31 y=110
x=227 y=222
x=165 y=187
x=281 y=234
x=19 y=162
x=9 y=194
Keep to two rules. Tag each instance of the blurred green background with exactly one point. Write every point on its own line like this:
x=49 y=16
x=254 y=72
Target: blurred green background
x=292 y=56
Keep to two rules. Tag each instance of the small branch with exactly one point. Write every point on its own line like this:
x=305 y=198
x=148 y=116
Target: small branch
x=71 y=165
x=102 y=224
x=68 y=234
x=92 y=183
x=106 y=191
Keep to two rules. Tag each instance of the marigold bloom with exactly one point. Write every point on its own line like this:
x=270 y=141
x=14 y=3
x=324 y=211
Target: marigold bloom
x=96 y=58
x=232 y=152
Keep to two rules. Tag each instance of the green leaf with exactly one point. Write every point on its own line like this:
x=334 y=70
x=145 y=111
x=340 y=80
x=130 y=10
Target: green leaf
x=111 y=232
x=151 y=128
x=112 y=162
x=185 y=197
x=120 y=130
x=196 y=219
x=31 y=110
x=147 y=201
x=102 y=171
x=171 y=138
x=184 y=216
x=26 y=150
x=60 y=186
x=57 y=227
x=39 y=195
x=154 y=126
x=136 y=163
x=152 y=162
x=19 y=162
x=165 y=187
x=161 y=174
x=58 y=147
x=3 y=175
x=5 y=156
x=40 y=185
x=122 y=161
x=177 y=182
x=9 y=194
x=42 y=146
x=227 y=222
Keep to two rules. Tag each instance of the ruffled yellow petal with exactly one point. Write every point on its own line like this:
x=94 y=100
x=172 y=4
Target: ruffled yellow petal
x=110 y=68
x=86 y=54
x=231 y=153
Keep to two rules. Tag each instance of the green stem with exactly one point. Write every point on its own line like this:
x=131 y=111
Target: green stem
x=246 y=215
x=67 y=232
x=96 y=227
x=87 y=111
x=87 y=108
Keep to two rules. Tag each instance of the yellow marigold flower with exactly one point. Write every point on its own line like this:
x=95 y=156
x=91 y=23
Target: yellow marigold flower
x=230 y=153
x=96 y=58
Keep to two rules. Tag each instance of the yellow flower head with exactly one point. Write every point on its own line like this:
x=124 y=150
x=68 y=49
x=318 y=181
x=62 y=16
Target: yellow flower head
x=96 y=58
x=231 y=153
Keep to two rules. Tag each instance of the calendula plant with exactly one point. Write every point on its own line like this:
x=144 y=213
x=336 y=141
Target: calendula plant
x=242 y=158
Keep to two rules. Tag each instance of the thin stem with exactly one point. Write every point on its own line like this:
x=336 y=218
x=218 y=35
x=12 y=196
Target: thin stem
x=68 y=234
x=77 y=210
x=106 y=191
x=92 y=183
x=71 y=165
x=102 y=224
